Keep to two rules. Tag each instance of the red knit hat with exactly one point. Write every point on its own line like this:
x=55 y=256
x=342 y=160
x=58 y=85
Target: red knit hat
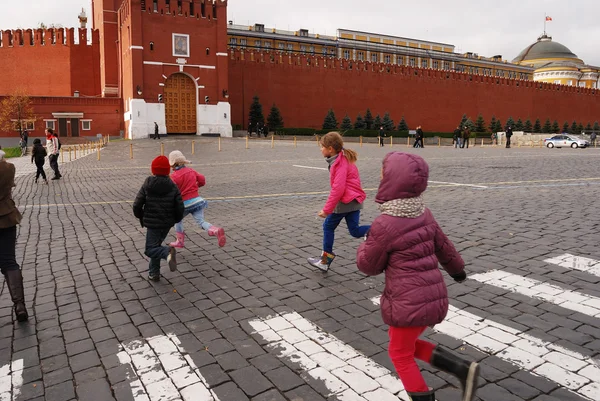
x=160 y=166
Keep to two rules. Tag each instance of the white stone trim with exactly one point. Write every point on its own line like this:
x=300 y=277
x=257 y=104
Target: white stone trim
x=136 y=47
x=557 y=75
x=207 y=67
x=222 y=54
x=67 y=115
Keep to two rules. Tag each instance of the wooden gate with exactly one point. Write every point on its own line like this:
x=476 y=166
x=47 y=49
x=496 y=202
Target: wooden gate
x=180 y=104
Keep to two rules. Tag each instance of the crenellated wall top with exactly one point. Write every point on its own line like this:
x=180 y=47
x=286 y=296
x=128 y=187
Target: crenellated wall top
x=47 y=37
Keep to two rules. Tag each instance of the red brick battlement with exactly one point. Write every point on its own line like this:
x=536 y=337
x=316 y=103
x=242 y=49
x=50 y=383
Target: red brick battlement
x=304 y=87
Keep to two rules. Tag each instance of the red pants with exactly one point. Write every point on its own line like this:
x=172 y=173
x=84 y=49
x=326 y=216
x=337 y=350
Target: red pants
x=404 y=347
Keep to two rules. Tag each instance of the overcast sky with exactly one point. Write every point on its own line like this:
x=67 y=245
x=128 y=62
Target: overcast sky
x=487 y=27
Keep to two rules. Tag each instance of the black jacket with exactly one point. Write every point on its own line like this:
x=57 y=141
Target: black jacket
x=38 y=153
x=158 y=204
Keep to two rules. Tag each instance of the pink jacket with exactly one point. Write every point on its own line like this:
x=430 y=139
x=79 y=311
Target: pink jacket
x=189 y=182
x=408 y=250
x=345 y=184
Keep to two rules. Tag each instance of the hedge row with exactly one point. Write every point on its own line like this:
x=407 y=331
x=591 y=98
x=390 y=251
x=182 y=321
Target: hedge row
x=369 y=133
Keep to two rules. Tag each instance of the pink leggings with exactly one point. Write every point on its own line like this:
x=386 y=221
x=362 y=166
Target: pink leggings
x=404 y=347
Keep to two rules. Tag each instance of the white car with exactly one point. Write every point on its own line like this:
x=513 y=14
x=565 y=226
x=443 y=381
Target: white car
x=563 y=140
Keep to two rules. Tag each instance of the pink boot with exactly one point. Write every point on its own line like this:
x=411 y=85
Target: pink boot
x=219 y=233
x=180 y=241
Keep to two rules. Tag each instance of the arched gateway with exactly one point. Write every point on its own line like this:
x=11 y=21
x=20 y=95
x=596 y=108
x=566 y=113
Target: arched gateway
x=180 y=104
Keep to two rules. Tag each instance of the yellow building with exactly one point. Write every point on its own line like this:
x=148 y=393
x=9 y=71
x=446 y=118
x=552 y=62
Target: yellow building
x=365 y=46
x=555 y=63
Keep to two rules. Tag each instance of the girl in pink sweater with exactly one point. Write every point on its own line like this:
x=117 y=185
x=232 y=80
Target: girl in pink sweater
x=189 y=182
x=345 y=199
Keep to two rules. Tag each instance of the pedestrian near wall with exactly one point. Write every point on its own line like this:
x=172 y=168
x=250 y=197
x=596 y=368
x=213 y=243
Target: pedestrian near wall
x=9 y=218
x=53 y=149
x=509 y=134
x=38 y=155
x=156 y=133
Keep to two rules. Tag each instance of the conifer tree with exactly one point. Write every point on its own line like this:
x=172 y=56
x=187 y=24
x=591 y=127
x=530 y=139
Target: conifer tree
x=579 y=129
x=588 y=127
x=388 y=123
x=573 y=129
x=480 y=124
x=402 y=126
x=492 y=126
x=274 y=120
x=510 y=123
x=256 y=113
x=528 y=127
x=565 y=127
x=377 y=122
x=499 y=127
x=346 y=123
x=360 y=122
x=547 y=127
x=518 y=125
x=555 y=127
x=368 y=119
x=463 y=120
x=596 y=126
x=330 y=121
x=537 y=127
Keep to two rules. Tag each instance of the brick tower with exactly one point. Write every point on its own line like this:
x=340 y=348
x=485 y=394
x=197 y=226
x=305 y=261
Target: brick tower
x=171 y=64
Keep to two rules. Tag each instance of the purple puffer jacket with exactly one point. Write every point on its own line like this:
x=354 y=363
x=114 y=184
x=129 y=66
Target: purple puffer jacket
x=408 y=250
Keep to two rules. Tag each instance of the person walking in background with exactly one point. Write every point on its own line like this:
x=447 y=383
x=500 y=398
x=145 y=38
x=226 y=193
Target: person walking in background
x=406 y=243
x=38 y=155
x=345 y=200
x=382 y=136
x=24 y=142
x=466 y=136
x=421 y=136
x=189 y=183
x=10 y=217
x=593 y=139
x=456 y=138
x=53 y=149
x=158 y=206
x=509 y=134
x=156 y=133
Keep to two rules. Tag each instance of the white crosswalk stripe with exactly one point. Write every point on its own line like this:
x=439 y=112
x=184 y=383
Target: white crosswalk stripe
x=160 y=371
x=11 y=380
x=573 y=262
x=347 y=374
x=569 y=369
x=568 y=299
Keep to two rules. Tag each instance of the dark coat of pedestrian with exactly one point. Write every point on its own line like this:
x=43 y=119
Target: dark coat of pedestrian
x=38 y=155
x=466 y=135
x=156 y=131
x=509 y=134
x=10 y=217
x=382 y=136
x=158 y=205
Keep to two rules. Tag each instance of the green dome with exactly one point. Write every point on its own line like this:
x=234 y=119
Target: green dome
x=545 y=48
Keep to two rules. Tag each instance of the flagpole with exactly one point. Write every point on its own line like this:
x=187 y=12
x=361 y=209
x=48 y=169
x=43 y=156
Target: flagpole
x=545 y=20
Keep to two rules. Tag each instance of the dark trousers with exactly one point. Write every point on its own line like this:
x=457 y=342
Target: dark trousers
x=381 y=140
x=156 y=135
x=8 y=241
x=465 y=143
x=154 y=248
x=508 y=141
x=334 y=219
x=54 y=165
x=40 y=171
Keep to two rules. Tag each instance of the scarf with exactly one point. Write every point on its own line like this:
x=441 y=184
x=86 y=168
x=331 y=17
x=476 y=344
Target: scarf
x=409 y=208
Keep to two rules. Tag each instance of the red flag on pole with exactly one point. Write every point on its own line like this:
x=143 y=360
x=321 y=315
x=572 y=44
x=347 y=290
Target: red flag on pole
x=548 y=18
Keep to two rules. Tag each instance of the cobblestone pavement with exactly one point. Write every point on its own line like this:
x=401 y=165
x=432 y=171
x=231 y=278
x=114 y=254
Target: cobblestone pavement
x=253 y=320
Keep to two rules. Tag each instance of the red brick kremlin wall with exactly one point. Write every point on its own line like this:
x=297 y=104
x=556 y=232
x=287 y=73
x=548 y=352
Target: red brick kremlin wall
x=49 y=62
x=305 y=88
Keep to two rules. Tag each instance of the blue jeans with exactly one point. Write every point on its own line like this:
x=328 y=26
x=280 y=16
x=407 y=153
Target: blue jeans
x=334 y=219
x=197 y=211
x=154 y=248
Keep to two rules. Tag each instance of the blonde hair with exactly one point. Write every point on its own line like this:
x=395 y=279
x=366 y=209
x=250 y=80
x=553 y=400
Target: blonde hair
x=334 y=139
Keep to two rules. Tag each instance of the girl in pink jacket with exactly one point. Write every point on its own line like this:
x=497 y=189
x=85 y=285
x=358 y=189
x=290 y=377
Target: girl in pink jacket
x=345 y=199
x=406 y=243
x=189 y=182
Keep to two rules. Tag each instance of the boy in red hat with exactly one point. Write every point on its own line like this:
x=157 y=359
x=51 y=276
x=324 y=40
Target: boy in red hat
x=159 y=206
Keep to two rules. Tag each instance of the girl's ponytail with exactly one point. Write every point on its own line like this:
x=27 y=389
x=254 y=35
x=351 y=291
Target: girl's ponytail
x=350 y=155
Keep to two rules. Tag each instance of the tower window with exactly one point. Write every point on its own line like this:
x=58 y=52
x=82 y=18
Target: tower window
x=203 y=10
x=179 y=7
x=214 y=10
x=151 y=46
x=155 y=6
x=208 y=51
x=168 y=6
x=192 y=11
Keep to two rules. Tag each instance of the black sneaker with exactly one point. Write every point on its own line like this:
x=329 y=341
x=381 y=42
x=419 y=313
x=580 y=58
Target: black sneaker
x=154 y=277
x=55 y=178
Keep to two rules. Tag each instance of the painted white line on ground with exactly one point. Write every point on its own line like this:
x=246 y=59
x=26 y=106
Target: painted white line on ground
x=309 y=167
x=573 y=262
x=11 y=380
x=575 y=301
x=160 y=371
x=572 y=370
x=347 y=374
x=458 y=184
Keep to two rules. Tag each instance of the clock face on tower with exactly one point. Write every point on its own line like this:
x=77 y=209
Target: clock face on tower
x=181 y=45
